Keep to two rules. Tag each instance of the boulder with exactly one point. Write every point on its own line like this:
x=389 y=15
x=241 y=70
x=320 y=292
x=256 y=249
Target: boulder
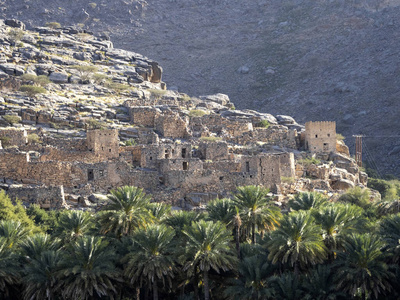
x=15 y=23
x=219 y=98
x=285 y=120
x=343 y=184
x=59 y=77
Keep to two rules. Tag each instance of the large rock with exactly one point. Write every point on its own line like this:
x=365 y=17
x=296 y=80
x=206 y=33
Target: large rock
x=219 y=98
x=15 y=23
x=343 y=184
x=157 y=72
x=285 y=120
x=59 y=77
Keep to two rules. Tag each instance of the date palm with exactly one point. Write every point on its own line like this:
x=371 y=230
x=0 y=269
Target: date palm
x=390 y=232
x=297 y=241
x=73 y=224
x=126 y=211
x=207 y=247
x=336 y=222
x=361 y=268
x=13 y=232
x=152 y=256
x=307 y=200
x=286 y=287
x=33 y=246
x=252 y=283
x=256 y=209
x=88 y=270
x=9 y=269
x=41 y=278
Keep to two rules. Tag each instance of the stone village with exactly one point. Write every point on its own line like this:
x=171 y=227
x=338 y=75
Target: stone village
x=185 y=151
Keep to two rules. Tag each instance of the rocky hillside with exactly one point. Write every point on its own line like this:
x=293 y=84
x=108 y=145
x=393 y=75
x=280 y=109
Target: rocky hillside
x=325 y=60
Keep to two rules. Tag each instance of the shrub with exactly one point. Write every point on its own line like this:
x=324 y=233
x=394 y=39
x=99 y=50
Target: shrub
x=53 y=25
x=357 y=196
x=157 y=94
x=41 y=80
x=15 y=35
x=32 y=90
x=130 y=142
x=285 y=179
x=100 y=77
x=5 y=141
x=94 y=124
x=339 y=137
x=389 y=190
x=118 y=87
x=85 y=72
x=210 y=138
x=309 y=161
x=264 y=124
x=197 y=113
x=33 y=138
x=12 y=119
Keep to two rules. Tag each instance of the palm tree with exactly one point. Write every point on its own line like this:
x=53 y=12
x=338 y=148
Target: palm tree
x=297 y=241
x=9 y=268
x=286 y=287
x=73 y=224
x=390 y=232
x=179 y=219
x=126 y=211
x=307 y=201
x=224 y=210
x=41 y=280
x=88 y=269
x=152 y=256
x=13 y=232
x=159 y=210
x=207 y=247
x=33 y=246
x=336 y=222
x=319 y=285
x=256 y=209
x=252 y=283
x=361 y=268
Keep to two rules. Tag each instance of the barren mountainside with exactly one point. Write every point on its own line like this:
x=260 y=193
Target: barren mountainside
x=326 y=60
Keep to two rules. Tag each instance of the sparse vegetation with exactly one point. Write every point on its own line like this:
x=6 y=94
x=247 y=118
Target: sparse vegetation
x=5 y=141
x=130 y=142
x=53 y=25
x=15 y=35
x=94 y=124
x=197 y=113
x=40 y=80
x=288 y=180
x=33 y=138
x=340 y=137
x=309 y=161
x=12 y=119
x=157 y=94
x=264 y=124
x=210 y=138
x=32 y=90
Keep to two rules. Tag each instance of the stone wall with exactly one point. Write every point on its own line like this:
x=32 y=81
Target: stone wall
x=213 y=150
x=320 y=137
x=13 y=137
x=46 y=197
x=274 y=135
x=103 y=142
x=171 y=125
x=144 y=115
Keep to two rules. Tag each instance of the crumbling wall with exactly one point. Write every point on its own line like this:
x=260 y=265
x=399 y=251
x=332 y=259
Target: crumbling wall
x=13 y=164
x=144 y=115
x=213 y=150
x=171 y=125
x=274 y=135
x=50 y=197
x=320 y=137
x=13 y=137
x=180 y=164
x=287 y=165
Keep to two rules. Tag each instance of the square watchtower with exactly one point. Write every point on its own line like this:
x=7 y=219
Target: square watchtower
x=320 y=137
x=103 y=142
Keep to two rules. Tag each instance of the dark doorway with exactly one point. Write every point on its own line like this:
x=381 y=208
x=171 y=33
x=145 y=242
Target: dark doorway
x=90 y=174
x=185 y=165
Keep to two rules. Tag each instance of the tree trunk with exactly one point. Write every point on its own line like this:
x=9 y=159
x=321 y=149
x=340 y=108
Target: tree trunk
x=137 y=293
x=155 y=290
x=196 y=284
x=206 y=286
x=296 y=269
x=238 y=241
x=253 y=233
